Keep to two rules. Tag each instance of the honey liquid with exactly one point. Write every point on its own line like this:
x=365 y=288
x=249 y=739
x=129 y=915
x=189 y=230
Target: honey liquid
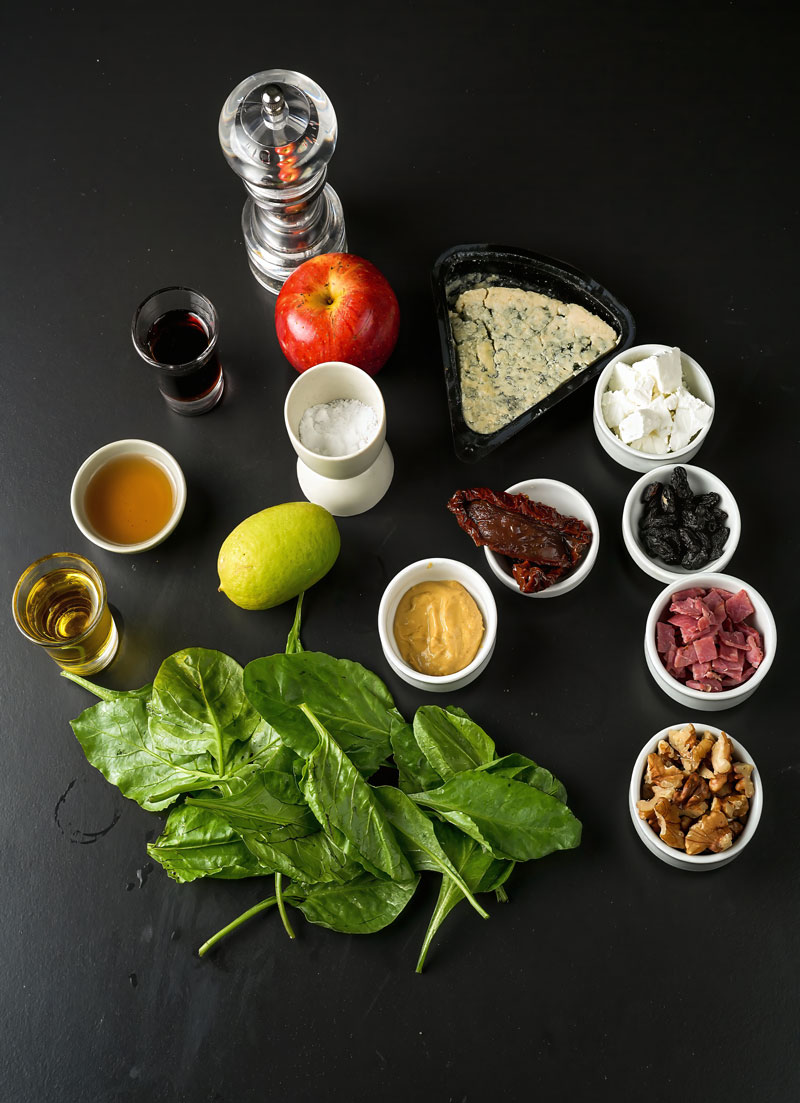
x=60 y=607
x=130 y=499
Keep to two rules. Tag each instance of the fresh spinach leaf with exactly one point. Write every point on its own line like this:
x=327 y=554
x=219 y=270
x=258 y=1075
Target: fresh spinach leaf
x=477 y=867
x=520 y=768
x=116 y=739
x=352 y=702
x=198 y=704
x=362 y=906
x=268 y=804
x=513 y=820
x=422 y=848
x=196 y=843
x=451 y=741
x=347 y=808
x=311 y=859
x=415 y=773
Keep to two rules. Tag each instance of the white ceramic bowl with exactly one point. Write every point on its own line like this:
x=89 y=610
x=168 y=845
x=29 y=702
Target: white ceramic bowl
x=701 y=482
x=324 y=383
x=696 y=698
x=680 y=858
x=113 y=451
x=568 y=502
x=437 y=570
x=695 y=380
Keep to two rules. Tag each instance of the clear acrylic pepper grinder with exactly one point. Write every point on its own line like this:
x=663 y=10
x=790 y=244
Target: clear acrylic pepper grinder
x=277 y=130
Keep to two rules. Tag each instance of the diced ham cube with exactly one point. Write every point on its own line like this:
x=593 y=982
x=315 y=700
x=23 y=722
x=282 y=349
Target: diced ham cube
x=689 y=607
x=714 y=599
x=727 y=669
x=707 y=686
x=693 y=591
x=730 y=654
x=755 y=654
x=739 y=607
x=685 y=657
x=705 y=649
x=665 y=637
x=701 y=670
x=734 y=639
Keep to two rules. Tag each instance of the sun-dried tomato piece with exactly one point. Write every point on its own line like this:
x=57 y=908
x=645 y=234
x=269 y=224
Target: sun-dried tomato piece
x=542 y=544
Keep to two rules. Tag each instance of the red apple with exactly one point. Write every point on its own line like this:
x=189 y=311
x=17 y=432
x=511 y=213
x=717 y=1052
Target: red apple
x=337 y=307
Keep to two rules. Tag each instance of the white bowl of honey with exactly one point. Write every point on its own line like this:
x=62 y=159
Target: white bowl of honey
x=128 y=496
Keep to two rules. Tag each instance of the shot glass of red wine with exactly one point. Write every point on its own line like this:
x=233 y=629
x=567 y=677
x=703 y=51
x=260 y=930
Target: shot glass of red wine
x=175 y=331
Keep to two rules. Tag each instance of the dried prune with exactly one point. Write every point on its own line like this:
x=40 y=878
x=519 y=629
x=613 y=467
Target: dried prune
x=668 y=500
x=650 y=493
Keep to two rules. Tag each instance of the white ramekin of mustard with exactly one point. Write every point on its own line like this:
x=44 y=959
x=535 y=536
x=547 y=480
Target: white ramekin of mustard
x=437 y=623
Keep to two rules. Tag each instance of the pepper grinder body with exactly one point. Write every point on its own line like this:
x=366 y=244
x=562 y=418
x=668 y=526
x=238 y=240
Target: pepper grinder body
x=278 y=131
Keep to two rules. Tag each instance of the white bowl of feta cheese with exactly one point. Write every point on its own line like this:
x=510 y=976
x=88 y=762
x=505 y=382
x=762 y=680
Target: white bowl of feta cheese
x=652 y=404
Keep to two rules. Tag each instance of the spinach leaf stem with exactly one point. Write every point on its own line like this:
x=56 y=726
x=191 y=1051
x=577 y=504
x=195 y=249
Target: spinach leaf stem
x=240 y=919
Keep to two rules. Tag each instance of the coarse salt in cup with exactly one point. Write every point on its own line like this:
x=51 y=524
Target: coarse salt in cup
x=352 y=482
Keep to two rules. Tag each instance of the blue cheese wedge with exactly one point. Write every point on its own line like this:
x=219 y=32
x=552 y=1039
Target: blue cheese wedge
x=516 y=347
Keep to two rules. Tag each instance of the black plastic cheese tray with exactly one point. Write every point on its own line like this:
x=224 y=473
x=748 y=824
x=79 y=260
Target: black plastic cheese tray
x=470 y=266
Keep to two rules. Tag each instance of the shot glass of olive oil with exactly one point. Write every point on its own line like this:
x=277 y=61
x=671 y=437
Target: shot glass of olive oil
x=60 y=603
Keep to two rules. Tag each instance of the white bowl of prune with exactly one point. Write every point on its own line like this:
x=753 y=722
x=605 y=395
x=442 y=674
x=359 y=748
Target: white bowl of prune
x=709 y=641
x=695 y=797
x=540 y=536
x=678 y=520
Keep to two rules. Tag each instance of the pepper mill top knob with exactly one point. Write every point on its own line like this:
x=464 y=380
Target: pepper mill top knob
x=277 y=130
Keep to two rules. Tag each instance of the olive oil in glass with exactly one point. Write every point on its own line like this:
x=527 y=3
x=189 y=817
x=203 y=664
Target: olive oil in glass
x=60 y=604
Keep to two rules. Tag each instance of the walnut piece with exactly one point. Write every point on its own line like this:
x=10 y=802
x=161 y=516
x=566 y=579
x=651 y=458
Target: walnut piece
x=721 y=755
x=712 y=832
x=744 y=784
x=668 y=822
x=664 y=779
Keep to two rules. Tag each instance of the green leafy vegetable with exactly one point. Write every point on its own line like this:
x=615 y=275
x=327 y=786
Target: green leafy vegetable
x=362 y=906
x=270 y=765
x=520 y=768
x=269 y=805
x=511 y=819
x=451 y=741
x=347 y=808
x=196 y=843
x=352 y=702
x=423 y=849
x=479 y=870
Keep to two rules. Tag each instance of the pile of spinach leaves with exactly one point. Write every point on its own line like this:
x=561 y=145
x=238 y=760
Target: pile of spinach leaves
x=267 y=772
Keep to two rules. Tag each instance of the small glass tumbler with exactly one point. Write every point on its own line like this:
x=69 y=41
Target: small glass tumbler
x=175 y=331
x=60 y=603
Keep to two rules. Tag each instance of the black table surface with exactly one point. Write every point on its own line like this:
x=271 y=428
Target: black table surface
x=652 y=146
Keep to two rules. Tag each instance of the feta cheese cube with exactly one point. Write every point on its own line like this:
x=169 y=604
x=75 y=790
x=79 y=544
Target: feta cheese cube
x=636 y=384
x=691 y=415
x=666 y=370
x=615 y=406
x=654 y=443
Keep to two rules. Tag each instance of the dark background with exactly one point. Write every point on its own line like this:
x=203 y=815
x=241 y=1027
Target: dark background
x=652 y=146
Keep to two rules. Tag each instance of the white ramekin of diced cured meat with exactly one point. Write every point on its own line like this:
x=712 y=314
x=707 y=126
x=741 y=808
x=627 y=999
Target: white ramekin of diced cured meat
x=695 y=796
x=709 y=641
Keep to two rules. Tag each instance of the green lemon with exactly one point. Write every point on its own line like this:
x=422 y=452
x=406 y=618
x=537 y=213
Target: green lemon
x=273 y=555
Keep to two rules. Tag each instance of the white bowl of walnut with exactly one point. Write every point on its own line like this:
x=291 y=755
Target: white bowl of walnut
x=695 y=797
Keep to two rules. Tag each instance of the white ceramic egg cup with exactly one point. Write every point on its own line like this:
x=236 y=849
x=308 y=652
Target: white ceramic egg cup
x=344 y=485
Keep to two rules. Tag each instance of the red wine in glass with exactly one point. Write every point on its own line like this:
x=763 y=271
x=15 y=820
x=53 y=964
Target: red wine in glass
x=178 y=338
